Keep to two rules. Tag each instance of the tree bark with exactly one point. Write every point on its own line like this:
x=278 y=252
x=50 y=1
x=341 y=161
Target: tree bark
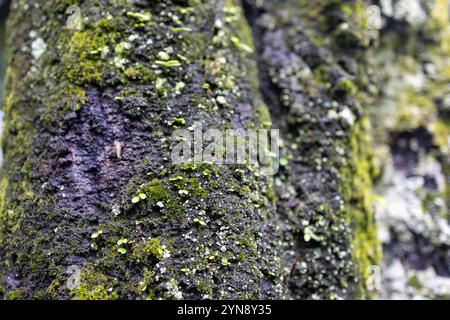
x=88 y=181
x=411 y=130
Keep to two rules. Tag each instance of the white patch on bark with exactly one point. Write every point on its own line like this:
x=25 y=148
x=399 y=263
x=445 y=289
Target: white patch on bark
x=38 y=47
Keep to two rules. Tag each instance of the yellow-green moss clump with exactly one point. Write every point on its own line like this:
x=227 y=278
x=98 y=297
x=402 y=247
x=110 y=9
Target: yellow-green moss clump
x=89 y=52
x=357 y=191
x=144 y=228
x=94 y=286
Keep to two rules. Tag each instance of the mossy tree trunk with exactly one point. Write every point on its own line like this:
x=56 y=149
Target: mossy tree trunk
x=88 y=180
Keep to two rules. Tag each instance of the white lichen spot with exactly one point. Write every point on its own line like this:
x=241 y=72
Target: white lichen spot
x=173 y=290
x=221 y=100
x=332 y=114
x=115 y=210
x=162 y=55
x=120 y=62
x=348 y=115
x=104 y=52
x=133 y=37
x=33 y=34
x=122 y=48
x=38 y=47
x=218 y=24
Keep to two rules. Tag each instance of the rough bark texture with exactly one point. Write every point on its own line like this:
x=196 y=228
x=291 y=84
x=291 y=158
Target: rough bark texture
x=89 y=118
x=411 y=130
x=310 y=71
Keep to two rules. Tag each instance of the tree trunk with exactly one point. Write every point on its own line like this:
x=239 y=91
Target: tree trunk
x=88 y=184
x=411 y=134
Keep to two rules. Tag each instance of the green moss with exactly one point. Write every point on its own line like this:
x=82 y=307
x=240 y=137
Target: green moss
x=140 y=72
x=10 y=214
x=94 y=286
x=146 y=282
x=81 y=60
x=3 y=187
x=344 y=87
x=78 y=97
x=16 y=294
x=88 y=52
x=53 y=289
x=196 y=189
x=153 y=190
x=97 y=292
x=193 y=180
x=235 y=16
x=414 y=282
x=204 y=286
x=438 y=23
x=174 y=210
x=441 y=132
x=322 y=75
x=262 y=115
x=356 y=186
x=154 y=248
x=177 y=122
x=244 y=190
x=414 y=109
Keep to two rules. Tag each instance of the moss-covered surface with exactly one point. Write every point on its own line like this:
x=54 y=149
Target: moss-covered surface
x=314 y=70
x=96 y=188
x=413 y=62
x=88 y=180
